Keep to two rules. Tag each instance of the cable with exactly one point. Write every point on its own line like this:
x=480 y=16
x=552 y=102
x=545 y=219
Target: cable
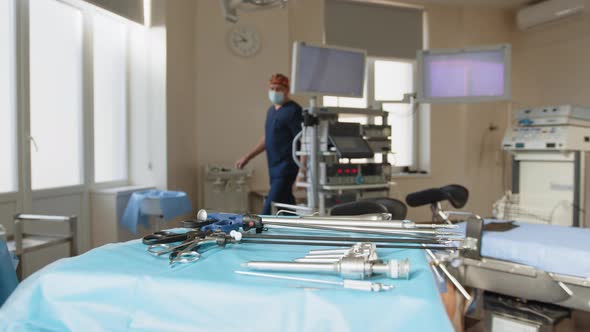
x=294 y=150
x=288 y=212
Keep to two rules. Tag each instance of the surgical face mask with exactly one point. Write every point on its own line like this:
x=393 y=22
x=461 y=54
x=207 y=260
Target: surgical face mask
x=276 y=97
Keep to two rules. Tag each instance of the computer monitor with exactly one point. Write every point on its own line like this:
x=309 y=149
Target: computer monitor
x=327 y=70
x=464 y=75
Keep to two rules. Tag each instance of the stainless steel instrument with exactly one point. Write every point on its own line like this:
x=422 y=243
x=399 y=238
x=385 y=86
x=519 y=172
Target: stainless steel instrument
x=362 y=285
x=348 y=267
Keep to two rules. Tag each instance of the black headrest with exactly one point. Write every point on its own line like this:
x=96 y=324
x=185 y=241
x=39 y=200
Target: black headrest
x=456 y=194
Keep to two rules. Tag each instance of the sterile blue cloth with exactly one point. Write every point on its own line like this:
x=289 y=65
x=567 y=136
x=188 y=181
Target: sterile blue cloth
x=557 y=249
x=171 y=204
x=120 y=287
x=8 y=280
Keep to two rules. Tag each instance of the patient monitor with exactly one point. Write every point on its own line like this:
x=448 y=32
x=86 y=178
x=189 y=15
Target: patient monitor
x=550 y=147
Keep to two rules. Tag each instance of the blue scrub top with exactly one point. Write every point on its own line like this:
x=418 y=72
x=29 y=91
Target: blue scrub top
x=281 y=127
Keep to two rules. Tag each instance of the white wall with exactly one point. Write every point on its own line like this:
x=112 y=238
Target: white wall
x=230 y=92
x=551 y=63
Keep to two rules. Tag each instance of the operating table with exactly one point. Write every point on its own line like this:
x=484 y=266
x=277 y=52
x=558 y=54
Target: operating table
x=538 y=262
x=544 y=263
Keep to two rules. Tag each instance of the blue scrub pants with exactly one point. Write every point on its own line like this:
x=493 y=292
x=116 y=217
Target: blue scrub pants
x=281 y=191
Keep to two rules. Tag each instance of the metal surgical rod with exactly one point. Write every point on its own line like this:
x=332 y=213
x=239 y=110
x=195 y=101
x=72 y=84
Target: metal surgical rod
x=379 y=217
x=372 y=230
x=350 y=284
x=370 y=216
x=235 y=236
x=448 y=274
x=346 y=230
x=389 y=224
x=346 y=244
x=395 y=230
x=339 y=238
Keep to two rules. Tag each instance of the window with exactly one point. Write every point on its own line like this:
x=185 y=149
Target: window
x=393 y=79
x=8 y=124
x=110 y=99
x=55 y=34
x=388 y=80
x=346 y=102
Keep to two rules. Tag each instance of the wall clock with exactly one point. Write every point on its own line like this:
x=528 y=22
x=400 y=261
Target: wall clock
x=244 y=41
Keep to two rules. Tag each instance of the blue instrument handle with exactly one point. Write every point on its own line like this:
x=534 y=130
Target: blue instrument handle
x=225 y=222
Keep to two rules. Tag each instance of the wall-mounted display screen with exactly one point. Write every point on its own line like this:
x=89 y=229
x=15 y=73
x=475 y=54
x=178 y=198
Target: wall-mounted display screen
x=465 y=75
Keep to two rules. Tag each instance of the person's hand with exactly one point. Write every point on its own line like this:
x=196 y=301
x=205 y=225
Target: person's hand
x=242 y=162
x=302 y=175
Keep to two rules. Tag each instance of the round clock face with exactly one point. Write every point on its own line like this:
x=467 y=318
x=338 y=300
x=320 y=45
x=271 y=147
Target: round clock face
x=244 y=41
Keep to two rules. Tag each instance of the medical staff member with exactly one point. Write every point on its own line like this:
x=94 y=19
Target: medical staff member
x=283 y=122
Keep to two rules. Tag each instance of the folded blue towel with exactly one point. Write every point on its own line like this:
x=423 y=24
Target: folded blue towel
x=8 y=280
x=171 y=203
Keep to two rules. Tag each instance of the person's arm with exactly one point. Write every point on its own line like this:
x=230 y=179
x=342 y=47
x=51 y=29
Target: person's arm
x=258 y=149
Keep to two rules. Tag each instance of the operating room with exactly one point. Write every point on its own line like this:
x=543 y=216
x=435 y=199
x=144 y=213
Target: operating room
x=294 y=165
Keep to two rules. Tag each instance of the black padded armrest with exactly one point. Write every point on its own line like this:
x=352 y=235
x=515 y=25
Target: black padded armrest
x=396 y=208
x=357 y=208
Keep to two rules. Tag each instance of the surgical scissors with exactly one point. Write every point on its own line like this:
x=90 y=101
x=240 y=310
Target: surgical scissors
x=161 y=237
x=186 y=251
x=163 y=245
x=189 y=253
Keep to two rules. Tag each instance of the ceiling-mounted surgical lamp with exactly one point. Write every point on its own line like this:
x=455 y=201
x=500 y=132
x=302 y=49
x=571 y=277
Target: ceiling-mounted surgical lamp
x=230 y=7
